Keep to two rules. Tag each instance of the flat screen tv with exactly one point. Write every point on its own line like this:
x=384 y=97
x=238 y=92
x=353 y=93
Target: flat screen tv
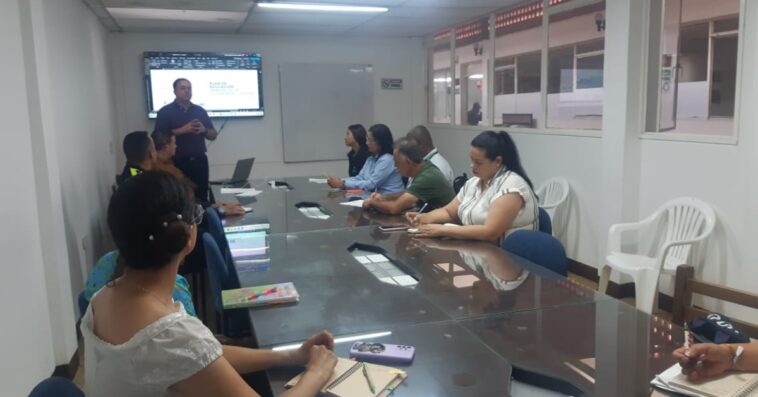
x=225 y=84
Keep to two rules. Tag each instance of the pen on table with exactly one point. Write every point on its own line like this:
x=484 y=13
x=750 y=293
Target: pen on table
x=368 y=379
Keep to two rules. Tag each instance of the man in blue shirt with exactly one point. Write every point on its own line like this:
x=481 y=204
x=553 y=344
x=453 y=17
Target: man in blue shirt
x=191 y=126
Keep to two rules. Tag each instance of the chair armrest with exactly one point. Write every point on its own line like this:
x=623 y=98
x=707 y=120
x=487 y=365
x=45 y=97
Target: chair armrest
x=664 y=250
x=615 y=231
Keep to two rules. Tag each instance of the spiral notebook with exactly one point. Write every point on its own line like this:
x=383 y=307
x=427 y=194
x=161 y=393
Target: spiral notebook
x=262 y=295
x=731 y=384
x=348 y=380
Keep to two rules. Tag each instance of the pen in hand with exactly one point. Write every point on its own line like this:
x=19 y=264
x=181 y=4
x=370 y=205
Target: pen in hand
x=414 y=220
x=687 y=339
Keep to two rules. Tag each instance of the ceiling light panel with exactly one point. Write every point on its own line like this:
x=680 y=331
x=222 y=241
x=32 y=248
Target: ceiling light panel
x=142 y=26
x=269 y=17
x=321 y=7
x=208 y=5
x=177 y=15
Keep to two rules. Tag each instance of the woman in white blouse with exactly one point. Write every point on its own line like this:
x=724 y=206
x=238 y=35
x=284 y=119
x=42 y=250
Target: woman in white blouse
x=139 y=342
x=497 y=200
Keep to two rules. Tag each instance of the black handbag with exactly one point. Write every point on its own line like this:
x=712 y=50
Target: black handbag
x=716 y=328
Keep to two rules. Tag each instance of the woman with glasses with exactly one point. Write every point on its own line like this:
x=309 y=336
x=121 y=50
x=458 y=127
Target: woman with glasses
x=378 y=173
x=139 y=341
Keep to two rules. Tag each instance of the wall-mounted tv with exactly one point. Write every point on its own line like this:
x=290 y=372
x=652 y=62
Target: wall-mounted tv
x=225 y=84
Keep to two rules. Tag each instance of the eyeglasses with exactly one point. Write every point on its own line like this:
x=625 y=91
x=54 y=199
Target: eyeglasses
x=199 y=213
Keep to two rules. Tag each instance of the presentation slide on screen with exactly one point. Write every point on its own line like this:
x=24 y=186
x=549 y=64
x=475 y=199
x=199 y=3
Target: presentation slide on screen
x=213 y=89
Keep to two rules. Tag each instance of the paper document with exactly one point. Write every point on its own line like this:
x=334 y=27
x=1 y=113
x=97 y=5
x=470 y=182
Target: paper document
x=249 y=193
x=377 y=258
x=232 y=190
x=320 y=181
x=354 y=203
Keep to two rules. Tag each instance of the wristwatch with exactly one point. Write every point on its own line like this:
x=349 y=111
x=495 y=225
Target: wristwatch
x=736 y=354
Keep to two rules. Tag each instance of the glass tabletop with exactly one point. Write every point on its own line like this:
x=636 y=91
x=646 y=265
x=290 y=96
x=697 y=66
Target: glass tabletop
x=606 y=348
x=284 y=207
x=449 y=361
x=448 y=280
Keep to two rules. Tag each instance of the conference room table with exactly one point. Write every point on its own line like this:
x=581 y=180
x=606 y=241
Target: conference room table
x=280 y=206
x=476 y=314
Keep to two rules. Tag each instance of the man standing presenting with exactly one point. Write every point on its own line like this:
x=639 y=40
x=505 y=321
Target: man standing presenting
x=191 y=126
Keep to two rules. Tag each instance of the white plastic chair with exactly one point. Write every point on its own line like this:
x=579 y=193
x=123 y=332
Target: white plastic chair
x=683 y=223
x=552 y=197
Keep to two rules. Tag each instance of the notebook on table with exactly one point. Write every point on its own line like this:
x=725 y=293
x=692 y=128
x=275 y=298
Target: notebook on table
x=262 y=295
x=730 y=384
x=348 y=380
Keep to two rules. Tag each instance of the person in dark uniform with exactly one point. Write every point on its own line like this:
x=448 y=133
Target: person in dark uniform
x=140 y=155
x=191 y=126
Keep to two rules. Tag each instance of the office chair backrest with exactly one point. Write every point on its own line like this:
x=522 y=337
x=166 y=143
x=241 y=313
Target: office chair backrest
x=546 y=225
x=216 y=229
x=233 y=323
x=56 y=387
x=216 y=269
x=540 y=248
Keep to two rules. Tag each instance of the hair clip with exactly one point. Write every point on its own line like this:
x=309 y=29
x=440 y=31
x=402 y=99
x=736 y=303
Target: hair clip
x=151 y=237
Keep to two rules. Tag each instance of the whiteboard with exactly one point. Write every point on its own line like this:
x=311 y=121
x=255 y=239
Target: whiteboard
x=319 y=102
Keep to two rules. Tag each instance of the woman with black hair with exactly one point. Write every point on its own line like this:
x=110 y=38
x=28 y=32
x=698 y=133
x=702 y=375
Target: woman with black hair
x=379 y=173
x=139 y=341
x=498 y=200
x=355 y=139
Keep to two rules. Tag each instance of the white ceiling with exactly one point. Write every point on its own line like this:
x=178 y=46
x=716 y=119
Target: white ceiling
x=405 y=18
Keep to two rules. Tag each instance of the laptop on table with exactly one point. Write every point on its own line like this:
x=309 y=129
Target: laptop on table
x=241 y=173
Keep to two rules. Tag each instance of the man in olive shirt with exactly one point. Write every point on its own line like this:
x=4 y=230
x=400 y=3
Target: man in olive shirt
x=429 y=186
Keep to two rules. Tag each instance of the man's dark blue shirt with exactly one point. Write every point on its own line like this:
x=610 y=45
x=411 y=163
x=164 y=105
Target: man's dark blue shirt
x=173 y=116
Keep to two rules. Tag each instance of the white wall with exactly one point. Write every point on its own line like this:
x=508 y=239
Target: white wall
x=262 y=138
x=544 y=157
x=619 y=177
x=26 y=334
x=78 y=121
x=57 y=104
